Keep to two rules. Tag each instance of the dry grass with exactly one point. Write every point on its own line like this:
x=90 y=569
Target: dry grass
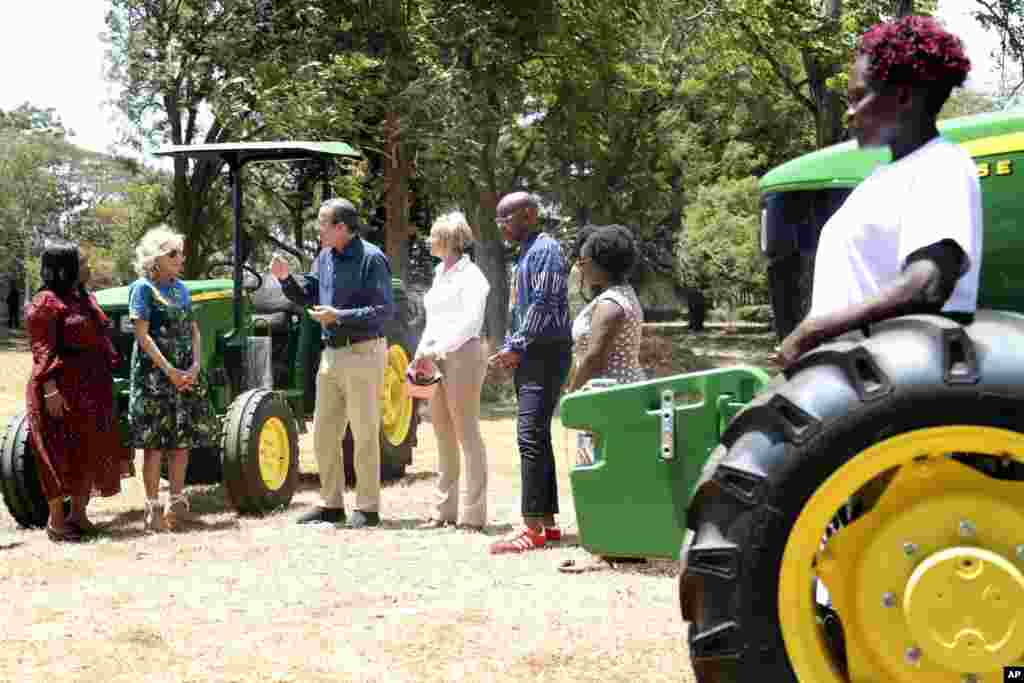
x=262 y=600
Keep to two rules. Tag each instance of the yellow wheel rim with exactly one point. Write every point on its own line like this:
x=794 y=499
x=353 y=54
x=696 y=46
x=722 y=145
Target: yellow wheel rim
x=275 y=455
x=396 y=404
x=928 y=581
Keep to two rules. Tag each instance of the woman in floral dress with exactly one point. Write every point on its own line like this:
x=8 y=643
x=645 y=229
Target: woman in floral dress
x=169 y=407
x=70 y=396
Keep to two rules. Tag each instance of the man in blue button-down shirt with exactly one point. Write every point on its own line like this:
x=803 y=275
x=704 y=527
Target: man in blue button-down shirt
x=538 y=348
x=349 y=294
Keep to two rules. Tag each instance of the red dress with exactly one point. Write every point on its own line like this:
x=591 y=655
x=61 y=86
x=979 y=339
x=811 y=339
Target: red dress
x=81 y=451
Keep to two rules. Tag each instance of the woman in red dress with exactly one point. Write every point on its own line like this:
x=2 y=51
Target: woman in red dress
x=70 y=394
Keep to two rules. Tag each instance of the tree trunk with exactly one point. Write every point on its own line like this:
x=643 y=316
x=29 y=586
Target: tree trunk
x=490 y=258
x=903 y=8
x=829 y=105
x=396 y=180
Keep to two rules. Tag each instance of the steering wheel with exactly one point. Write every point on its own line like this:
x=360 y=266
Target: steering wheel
x=246 y=267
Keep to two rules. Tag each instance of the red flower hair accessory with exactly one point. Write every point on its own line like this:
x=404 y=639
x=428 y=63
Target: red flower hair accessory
x=915 y=50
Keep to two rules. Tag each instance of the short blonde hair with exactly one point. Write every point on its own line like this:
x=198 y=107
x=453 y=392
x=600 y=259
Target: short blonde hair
x=453 y=232
x=154 y=244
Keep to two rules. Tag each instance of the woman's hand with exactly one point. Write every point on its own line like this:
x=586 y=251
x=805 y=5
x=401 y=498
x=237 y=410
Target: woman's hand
x=55 y=403
x=181 y=380
x=804 y=338
x=423 y=365
x=193 y=372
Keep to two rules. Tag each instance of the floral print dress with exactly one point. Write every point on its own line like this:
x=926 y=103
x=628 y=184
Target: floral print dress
x=162 y=417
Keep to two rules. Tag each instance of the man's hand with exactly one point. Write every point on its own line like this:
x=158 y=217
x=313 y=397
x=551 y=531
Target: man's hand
x=804 y=338
x=506 y=359
x=279 y=267
x=325 y=315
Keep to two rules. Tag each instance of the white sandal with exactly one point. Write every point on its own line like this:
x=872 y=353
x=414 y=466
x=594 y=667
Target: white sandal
x=177 y=512
x=154 y=520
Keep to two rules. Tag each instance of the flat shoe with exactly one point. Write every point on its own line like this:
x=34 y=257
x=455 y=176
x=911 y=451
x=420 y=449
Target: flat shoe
x=593 y=565
x=68 y=535
x=433 y=524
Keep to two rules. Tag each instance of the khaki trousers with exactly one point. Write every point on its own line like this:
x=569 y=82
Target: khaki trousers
x=455 y=412
x=348 y=388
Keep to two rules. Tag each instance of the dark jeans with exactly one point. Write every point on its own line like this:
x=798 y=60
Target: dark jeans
x=539 y=379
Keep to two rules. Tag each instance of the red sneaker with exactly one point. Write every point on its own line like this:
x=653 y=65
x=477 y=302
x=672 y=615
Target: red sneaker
x=553 y=533
x=519 y=541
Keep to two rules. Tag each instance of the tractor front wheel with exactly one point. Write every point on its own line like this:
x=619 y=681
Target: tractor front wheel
x=260 y=452
x=19 y=478
x=864 y=520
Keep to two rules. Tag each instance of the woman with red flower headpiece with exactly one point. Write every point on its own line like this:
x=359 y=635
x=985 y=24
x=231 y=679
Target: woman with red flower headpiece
x=907 y=239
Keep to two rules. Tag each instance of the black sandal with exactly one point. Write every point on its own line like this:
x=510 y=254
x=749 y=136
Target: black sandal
x=84 y=530
x=70 y=534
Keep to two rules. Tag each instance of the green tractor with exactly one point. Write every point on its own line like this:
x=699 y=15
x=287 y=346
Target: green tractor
x=262 y=353
x=862 y=518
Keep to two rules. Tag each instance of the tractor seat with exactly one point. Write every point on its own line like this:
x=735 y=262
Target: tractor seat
x=277 y=323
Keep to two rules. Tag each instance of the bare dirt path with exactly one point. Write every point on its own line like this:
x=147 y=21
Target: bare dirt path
x=264 y=600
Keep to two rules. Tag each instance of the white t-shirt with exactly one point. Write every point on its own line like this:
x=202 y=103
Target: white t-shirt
x=929 y=195
x=455 y=305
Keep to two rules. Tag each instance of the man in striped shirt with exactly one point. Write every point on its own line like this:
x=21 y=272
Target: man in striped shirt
x=538 y=348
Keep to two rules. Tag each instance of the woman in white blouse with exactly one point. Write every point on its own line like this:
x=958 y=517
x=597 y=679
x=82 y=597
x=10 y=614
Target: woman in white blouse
x=451 y=340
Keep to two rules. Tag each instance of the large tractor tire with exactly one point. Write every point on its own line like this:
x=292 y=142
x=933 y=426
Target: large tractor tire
x=864 y=521
x=260 y=452
x=204 y=467
x=19 y=477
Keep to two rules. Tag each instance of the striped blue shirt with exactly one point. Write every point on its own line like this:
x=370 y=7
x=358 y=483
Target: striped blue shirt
x=539 y=301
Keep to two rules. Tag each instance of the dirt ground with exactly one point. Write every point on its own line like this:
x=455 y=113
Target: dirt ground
x=242 y=599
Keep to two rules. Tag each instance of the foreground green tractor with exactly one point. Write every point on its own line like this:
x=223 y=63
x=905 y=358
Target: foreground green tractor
x=861 y=518
x=261 y=352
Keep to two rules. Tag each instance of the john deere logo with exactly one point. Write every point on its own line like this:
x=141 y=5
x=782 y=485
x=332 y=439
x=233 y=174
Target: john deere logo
x=1001 y=167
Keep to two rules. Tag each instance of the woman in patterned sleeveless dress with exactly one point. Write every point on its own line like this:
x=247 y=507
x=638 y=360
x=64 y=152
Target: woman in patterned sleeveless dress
x=169 y=408
x=606 y=333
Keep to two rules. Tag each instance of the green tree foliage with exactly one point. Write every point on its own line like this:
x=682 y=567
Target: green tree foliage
x=719 y=251
x=52 y=188
x=1006 y=19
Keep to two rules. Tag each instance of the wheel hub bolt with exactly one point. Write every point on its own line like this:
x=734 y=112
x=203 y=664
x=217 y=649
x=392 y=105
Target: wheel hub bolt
x=909 y=549
x=970 y=678
x=888 y=599
x=967 y=528
x=913 y=654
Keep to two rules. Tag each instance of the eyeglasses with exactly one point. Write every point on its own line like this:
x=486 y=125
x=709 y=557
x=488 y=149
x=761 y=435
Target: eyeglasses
x=505 y=220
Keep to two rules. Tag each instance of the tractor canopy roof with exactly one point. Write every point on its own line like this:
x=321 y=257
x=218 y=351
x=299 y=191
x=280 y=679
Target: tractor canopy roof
x=245 y=152
x=201 y=290
x=846 y=165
